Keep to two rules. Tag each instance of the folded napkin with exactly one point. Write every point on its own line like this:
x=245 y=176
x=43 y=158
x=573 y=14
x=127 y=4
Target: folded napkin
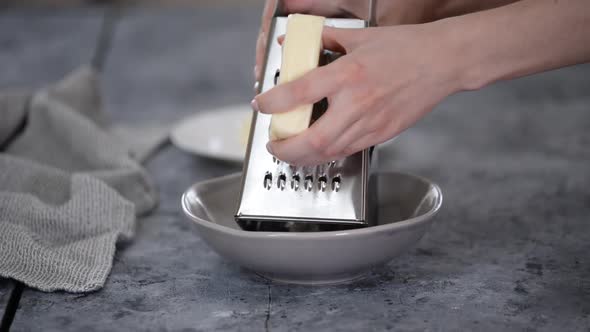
x=70 y=185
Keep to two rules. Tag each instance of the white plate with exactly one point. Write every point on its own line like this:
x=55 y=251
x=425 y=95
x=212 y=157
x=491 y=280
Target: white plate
x=219 y=134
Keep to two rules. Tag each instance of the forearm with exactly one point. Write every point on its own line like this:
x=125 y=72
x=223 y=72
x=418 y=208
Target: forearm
x=449 y=8
x=395 y=12
x=523 y=38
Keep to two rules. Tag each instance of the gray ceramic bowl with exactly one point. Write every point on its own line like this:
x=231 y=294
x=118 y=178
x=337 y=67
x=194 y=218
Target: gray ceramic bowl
x=406 y=207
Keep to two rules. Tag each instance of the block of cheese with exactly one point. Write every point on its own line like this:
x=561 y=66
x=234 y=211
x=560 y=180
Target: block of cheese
x=244 y=134
x=301 y=53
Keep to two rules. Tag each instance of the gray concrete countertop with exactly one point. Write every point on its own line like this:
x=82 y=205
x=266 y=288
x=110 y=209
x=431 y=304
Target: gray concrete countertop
x=39 y=46
x=508 y=252
x=32 y=44
x=5 y=288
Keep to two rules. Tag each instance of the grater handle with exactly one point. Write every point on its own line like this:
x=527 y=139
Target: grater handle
x=371 y=19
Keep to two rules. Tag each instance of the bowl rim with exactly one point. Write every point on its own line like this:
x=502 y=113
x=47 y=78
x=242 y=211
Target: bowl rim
x=395 y=226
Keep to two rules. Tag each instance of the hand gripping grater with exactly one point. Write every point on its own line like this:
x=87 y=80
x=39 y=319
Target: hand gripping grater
x=337 y=193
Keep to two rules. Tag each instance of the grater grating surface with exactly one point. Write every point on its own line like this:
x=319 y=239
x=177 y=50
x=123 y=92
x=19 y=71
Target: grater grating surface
x=273 y=191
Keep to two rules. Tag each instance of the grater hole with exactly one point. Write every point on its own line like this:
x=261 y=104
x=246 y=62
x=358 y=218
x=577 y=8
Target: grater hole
x=336 y=183
x=308 y=184
x=268 y=180
x=295 y=182
x=282 y=181
x=277 y=75
x=322 y=182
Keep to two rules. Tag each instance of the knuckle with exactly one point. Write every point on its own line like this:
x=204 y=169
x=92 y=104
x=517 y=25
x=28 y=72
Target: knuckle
x=331 y=152
x=349 y=150
x=378 y=123
x=365 y=99
x=319 y=141
x=372 y=127
x=261 y=103
x=390 y=129
x=354 y=71
x=289 y=160
x=357 y=112
x=378 y=128
x=299 y=91
x=362 y=102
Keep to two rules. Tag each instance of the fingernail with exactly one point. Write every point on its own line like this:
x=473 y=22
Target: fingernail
x=254 y=104
x=256 y=84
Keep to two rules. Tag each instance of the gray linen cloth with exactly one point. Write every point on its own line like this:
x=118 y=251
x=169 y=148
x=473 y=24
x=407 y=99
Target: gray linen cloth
x=70 y=186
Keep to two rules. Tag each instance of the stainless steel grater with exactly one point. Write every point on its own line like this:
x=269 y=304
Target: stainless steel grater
x=272 y=191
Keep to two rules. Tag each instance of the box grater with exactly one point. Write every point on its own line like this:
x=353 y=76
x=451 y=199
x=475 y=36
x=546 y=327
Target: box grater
x=337 y=193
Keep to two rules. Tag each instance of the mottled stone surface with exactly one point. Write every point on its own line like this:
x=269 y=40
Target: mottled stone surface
x=5 y=289
x=169 y=64
x=166 y=280
x=509 y=250
x=166 y=63
x=39 y=46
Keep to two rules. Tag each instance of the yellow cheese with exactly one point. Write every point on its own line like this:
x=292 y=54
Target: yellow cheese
x=245 y=132
x=301 y=53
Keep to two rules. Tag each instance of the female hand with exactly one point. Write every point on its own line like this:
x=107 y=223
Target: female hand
x=388 y=78
x=389 y=13
x=392 y=76
x=392 y=12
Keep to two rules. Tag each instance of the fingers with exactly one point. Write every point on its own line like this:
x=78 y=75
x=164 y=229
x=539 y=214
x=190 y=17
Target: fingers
x=311 y=146
x=373 y=120
x=296 y=151
x=339 y=133
x=299 y=150
x=308 y=89
x=330 y=127
x=390 y=130
x=366 y=141
x=291 y=151
x=351 y=135
x=302 y=151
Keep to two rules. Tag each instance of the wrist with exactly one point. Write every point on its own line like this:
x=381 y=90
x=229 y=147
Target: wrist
x=451 y=51
x=466 y=53
x=516 y=40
